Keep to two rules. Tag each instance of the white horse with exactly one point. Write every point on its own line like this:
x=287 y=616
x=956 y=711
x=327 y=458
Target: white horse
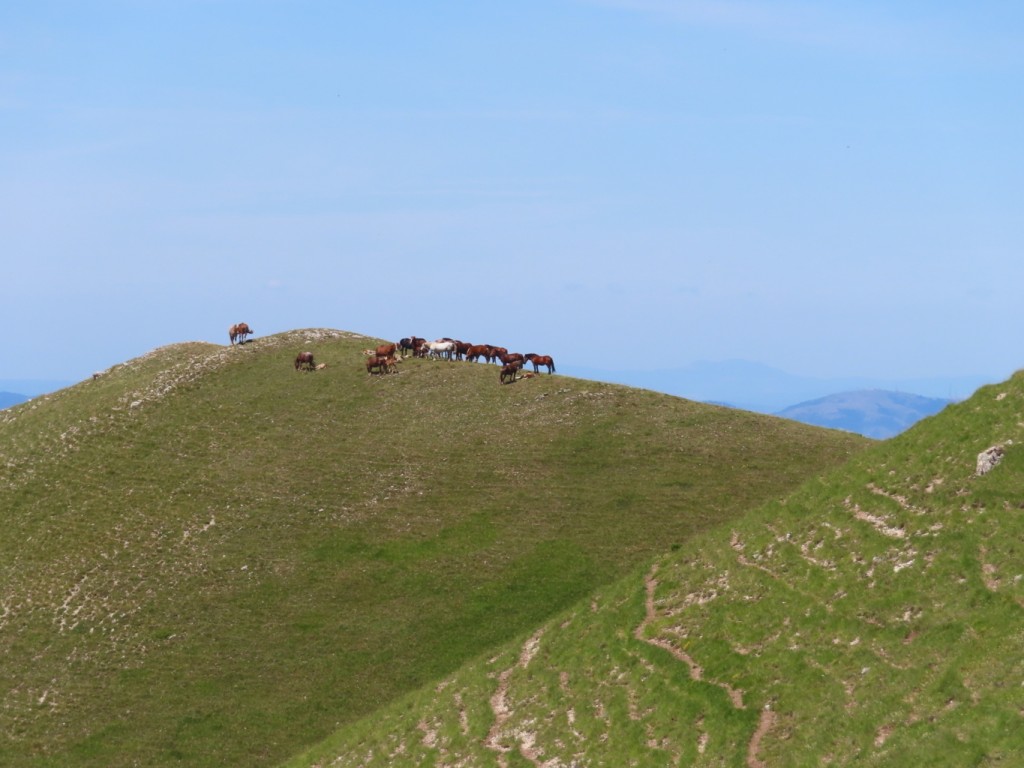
x=445 y=349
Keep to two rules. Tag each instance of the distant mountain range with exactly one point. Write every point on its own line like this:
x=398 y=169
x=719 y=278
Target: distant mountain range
x=757 y=387
x=7 y=399
x=873 y=407
x=873 y=413
x=32 y=387
x=17 y=391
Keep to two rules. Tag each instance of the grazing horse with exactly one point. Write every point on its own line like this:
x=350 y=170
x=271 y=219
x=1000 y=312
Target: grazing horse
x=496 y=353
x=238 y=332
x=539 y=360
x=509 y=371
x=511 y=357
x=386 y=350
x=304 y=362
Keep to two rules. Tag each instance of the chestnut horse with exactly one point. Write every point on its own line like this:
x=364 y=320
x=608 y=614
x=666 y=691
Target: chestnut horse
x=509 y=371
x=476 y=351
x=539 y=360
x=304 y=362
x=238 y=332
x=377 y=364
x=386 y=350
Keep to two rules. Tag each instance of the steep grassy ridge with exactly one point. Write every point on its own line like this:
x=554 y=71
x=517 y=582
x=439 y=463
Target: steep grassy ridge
x=209 y=558
x=873 y=618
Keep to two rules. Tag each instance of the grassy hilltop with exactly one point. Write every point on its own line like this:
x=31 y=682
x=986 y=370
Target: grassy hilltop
x=873 y=618
x=209 y=558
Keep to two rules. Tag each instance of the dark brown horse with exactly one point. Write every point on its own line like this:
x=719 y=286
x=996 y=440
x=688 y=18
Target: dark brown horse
x=304 y=362
x=410 y=344
x=512 y=357
x=238 y=332
x=539 y=360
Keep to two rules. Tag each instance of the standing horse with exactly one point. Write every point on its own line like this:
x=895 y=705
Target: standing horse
x=476 y=351
x=304 y=362
x=386 y=350
x=443 y=349
x=411 y=344
x=238 y=332
x=377 y=364
x=539 y=360
x=461 y=348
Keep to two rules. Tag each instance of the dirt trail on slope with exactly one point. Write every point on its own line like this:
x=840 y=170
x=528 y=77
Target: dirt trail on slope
x=696 y=671
x=767 y=718
x=502 y=711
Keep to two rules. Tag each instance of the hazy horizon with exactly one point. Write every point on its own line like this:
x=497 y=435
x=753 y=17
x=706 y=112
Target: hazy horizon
x=826 y=190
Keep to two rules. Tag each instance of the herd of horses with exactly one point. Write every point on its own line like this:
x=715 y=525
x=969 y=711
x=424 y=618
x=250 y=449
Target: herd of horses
x=385 y=358
x=453 y=349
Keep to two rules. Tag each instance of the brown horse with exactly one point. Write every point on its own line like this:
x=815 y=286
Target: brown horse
x=377 y=364
x=476 y=351
x=304 y=362
x=539 y=360
x=509 y=371
x=238 y=332
x=512 y=357
x=386 y=350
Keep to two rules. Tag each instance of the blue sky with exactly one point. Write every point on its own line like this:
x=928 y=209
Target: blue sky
x=829 y=188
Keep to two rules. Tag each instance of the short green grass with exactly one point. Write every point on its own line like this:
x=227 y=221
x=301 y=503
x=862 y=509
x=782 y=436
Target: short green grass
x=209 y=558
x=871 y=618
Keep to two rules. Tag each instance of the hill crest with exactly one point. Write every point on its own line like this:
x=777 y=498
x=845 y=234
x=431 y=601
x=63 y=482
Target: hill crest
x=211 y=557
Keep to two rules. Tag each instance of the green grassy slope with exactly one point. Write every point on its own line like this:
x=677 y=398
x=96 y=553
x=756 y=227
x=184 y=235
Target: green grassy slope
x=209 y=558
x=873 y=618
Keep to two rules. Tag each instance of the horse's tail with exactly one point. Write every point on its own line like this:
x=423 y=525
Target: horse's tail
x=553 y=365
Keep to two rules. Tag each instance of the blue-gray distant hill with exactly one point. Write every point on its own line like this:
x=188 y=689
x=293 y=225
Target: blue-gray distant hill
x=756 y=387
x=30 y=388
x=873 y=413
x=7 y=399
